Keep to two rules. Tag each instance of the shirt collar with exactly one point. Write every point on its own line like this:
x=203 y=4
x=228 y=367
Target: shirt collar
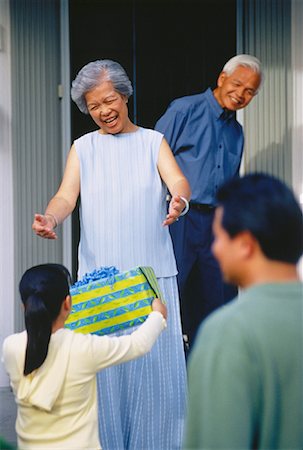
x=219 y=112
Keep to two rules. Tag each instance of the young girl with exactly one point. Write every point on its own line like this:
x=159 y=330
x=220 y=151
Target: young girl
x=53 y=370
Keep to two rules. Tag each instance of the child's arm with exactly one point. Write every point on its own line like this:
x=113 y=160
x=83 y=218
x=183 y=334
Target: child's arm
x=108 y=351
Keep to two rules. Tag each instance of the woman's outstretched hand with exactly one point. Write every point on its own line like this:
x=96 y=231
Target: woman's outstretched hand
x=176 y=206
x=157 y=305
x=43 y=225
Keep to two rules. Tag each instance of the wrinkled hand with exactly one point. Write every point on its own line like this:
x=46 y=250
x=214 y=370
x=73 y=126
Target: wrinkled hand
x=176 y=206
x=43 y=226
x=157 y=305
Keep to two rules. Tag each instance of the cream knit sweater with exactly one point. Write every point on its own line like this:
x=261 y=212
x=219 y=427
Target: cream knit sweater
x=57 y=406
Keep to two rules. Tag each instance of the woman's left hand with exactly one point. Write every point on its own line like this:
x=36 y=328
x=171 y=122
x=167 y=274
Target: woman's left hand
x=176 y=206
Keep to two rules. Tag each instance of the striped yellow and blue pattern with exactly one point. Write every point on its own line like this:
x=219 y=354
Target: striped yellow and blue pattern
x=105 y=306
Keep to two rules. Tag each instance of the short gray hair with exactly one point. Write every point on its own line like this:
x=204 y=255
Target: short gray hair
x=249 y=61
x=93 y=74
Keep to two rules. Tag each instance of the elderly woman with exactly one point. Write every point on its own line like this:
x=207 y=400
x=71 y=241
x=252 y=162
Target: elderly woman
x=122 y=172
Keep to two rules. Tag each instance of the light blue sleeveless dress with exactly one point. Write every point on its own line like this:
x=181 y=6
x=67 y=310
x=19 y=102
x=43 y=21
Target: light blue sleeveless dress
x=122 y=207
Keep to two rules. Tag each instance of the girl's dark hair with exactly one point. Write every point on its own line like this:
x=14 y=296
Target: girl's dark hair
x=43 y=289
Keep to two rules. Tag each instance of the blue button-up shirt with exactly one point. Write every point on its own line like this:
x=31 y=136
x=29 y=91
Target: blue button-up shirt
x=206 y=141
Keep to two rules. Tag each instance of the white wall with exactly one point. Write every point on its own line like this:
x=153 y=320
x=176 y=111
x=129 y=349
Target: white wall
x=66 y=120
x=273 y=123
x=297 y=106
x=6 y=187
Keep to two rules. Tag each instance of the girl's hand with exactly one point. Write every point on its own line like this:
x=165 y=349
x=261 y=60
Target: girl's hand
x=157 y=305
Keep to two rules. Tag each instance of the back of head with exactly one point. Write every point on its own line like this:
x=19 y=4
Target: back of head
x=244 y=60
x=268 y=209
x=93 y=74
x=42 y=288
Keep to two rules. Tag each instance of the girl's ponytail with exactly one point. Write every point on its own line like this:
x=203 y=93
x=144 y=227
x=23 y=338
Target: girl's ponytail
x=43 y=289
x=39 y=327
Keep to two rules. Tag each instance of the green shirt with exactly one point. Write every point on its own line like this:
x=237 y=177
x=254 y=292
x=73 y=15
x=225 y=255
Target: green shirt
x=246 y=373
x=4 y=445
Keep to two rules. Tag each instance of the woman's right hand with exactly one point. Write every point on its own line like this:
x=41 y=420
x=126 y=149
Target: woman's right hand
x=43 y=225
x=157 y=305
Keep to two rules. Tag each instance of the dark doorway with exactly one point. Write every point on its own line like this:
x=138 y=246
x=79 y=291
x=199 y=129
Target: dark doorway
x=169 y=48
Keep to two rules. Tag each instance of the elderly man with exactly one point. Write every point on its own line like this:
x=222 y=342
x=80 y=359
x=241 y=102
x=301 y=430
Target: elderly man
x=246 y=366
x=207 y=142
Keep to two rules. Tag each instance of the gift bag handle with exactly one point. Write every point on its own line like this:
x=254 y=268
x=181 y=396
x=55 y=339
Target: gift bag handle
x=152 y=280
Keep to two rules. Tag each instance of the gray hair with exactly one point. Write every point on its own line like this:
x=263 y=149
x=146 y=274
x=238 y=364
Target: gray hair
x=93 y=74
x=249 y=61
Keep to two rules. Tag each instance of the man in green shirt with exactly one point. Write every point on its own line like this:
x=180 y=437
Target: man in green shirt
x=246 y=367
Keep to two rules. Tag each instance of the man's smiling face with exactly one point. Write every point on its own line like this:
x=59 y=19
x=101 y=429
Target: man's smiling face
x=235 y=91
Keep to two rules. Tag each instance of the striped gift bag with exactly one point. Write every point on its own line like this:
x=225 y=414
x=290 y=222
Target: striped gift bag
x=112 y=301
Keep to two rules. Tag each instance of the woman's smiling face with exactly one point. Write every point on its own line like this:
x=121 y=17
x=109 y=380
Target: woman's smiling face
x=108 y=108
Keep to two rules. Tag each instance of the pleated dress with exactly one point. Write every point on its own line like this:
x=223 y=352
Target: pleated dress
x=122 y=206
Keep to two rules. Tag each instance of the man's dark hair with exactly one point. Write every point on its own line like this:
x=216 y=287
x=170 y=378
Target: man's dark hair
x=267 y=208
